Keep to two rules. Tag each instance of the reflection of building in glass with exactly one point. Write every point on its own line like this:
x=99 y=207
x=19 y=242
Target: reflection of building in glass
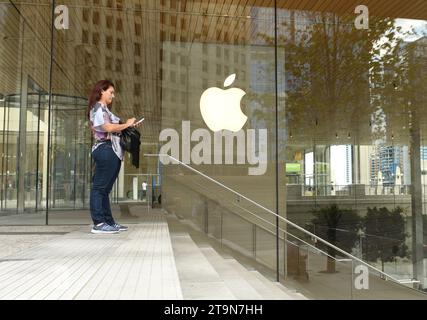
x=191 y=68
x=124 y=48
x=375 y=168
x=348 y=166
x=423 y=153
x=341 y=165
x=387 y=160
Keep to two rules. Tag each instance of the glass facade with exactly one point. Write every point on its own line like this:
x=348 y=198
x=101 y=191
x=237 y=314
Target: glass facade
x=312 y=110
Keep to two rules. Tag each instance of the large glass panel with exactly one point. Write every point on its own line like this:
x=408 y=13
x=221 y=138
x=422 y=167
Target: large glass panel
x=24 y=79
x=354 y=135
x=319 y=120
x=218 y=100
x=69 y=183
x=112 y=40
x=265 y=251
x=238 y=234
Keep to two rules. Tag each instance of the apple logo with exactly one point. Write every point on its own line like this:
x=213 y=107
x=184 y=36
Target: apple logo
x=221 y=108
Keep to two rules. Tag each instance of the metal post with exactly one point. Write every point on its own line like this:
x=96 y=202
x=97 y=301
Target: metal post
x=352 y=280
x=49 y=151
x=220 y=228
x=4 y=159
x=205 y=216
x=147 y=195
x=254 y=240
x=277 y=137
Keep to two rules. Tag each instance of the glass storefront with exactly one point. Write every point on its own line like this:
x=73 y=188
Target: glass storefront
x=312 y=110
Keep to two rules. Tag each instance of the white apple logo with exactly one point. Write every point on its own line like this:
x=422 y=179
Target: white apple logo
x=221 y=108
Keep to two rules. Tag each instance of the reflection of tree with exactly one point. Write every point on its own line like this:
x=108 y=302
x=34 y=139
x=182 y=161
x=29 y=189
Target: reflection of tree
x=326 y=224
x=414 y=97
x=328 y=64
x=387 y=235
x=384 y=74
x=262 y=96
x=367 y=83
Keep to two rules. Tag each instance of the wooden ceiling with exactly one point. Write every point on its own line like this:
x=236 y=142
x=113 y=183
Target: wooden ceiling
x=411 y=9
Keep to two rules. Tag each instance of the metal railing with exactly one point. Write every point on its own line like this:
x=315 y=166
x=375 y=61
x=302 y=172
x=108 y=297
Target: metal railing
x=351 y=190
x=347 y=257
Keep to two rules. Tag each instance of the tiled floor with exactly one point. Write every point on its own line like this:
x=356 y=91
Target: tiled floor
x=137 y=264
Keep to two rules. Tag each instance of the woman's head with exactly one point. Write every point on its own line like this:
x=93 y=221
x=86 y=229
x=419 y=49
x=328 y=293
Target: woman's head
x=103 y=91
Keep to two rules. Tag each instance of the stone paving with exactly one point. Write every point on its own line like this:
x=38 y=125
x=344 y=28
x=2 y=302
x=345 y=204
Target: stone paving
x=68 y=262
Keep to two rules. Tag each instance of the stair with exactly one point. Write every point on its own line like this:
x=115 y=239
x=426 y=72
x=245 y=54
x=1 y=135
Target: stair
x=271 y=285
x=206 y=275
x=249 y=282
x=198 y=278
x=233 y=279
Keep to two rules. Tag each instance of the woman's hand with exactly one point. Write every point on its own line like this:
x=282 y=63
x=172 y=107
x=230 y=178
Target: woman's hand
x=131 y=122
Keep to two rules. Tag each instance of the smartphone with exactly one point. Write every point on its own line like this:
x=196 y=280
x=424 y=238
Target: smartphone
x=142 y=119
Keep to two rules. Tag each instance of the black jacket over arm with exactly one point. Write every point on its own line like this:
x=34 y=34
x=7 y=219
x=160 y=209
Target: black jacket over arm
x=130 y=140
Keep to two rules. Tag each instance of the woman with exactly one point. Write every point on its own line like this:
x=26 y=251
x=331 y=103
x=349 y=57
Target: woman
x=107 y=155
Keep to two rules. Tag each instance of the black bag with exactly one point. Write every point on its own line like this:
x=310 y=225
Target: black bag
x=130 y=140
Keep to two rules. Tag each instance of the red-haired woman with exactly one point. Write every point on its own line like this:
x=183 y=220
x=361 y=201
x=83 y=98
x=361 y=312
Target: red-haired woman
x=107 y=155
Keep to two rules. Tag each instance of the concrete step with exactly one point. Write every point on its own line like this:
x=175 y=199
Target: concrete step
x=263 y=286
x=288 y=291
x=233 y=278
x=198 y=278
x=267 y=288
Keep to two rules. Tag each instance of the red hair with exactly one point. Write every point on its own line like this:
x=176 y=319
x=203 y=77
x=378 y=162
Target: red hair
x=96 y=93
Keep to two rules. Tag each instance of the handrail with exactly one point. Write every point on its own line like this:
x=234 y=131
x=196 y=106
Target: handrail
x=278 y=216
x=287 y=232
x=271 y=232
x=301 y=240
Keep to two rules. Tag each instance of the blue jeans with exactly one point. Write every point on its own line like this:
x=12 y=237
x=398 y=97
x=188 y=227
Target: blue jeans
x=107 y=167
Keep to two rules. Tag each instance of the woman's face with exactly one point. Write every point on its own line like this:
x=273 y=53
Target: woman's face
x=107 y=95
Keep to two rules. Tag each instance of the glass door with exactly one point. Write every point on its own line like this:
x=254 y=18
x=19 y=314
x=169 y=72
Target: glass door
x=35 y=148
x=70 y=167
x=9 y=140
